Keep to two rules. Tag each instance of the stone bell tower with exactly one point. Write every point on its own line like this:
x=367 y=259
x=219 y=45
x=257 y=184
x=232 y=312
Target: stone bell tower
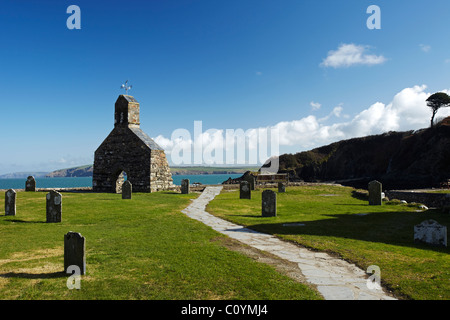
x=129 y=151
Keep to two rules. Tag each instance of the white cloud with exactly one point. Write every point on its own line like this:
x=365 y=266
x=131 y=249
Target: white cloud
x=315 y=105
x=425 y=47
x=349 y=55
x=406 y=111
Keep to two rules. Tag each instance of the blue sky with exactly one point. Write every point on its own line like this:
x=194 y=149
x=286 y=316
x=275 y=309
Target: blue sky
x=230 y=64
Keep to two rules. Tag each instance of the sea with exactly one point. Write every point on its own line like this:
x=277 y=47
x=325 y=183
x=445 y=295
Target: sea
x=81 y=182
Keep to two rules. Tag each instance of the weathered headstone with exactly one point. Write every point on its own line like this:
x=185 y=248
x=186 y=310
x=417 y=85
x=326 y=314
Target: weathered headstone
x=251 y=180
x=54 y=206
x=75 y=251
x=281 y=187
x=10 y=202
x=375 y=197
x=30 y=184
x=269 y=203
x=431 y=232
x=127 y=190
x=244 y=190
x=185 y=186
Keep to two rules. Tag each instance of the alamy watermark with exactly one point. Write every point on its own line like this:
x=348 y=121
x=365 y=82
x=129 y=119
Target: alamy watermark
x=74 y=20
x=374 y=281
x=73 y=281
x=226 y=147
x=374 y=21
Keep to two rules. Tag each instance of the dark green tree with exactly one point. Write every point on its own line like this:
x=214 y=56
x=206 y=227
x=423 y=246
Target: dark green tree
x=437 y=101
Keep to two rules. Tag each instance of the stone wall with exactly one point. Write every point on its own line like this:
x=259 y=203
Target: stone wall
x=432 y=200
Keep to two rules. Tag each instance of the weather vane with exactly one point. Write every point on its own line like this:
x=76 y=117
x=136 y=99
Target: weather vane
x=126 y=87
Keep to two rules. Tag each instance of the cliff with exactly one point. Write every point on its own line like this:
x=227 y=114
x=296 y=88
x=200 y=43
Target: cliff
x=400 y=160
x=84 y=171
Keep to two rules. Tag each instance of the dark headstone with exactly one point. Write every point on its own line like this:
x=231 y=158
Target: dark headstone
x=10 y=202
x=244 y=190
x=281 y=187
x=185 y=186
x=127 y=190
x=269 y=203
x=75 y=251
x=251 y=180
x=30 y=184
x=375 y=193
x=54 y=206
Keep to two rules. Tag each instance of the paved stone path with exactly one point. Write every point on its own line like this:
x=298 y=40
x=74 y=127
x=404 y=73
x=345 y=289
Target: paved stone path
x=335 y=279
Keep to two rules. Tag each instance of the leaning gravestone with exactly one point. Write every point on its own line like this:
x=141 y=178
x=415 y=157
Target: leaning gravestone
x=269 y=203
x=75 y=251
x=54 y=206
x=281 y=187
x=10 y=202
x=244 y=190
x=127 y=190
x=185 y=186
x=375 y=196
x=30 y=184
x=431 y=232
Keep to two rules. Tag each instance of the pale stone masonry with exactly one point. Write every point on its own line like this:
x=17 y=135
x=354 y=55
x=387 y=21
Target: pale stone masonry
x=128 y=149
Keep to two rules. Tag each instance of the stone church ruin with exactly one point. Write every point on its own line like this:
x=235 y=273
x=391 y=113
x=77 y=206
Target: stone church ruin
x=129 y=152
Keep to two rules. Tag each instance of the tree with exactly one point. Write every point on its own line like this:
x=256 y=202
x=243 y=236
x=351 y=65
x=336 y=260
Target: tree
x=437 y=101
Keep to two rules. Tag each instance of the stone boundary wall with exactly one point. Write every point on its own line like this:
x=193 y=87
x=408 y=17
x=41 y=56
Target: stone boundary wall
x=432 y=200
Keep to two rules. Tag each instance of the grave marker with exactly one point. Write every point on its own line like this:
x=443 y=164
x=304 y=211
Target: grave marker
x=127 y=190
x=54 y=206
x=269 y=203
x=375 y=194
x=185 y=188
x=30 y=184
x=431 y=232
x=75 y=251
x=10 y=202
x=244 y=190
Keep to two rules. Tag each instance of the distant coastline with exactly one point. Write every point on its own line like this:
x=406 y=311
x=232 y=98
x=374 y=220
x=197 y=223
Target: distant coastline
x=86 y=171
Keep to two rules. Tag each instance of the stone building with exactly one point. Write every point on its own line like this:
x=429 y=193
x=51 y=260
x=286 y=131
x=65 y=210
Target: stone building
x=130 y=152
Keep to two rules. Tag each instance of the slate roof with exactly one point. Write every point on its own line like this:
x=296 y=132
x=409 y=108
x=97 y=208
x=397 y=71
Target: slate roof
x=149 y=142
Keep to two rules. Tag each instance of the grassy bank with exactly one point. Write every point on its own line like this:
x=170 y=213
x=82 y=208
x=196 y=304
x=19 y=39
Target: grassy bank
x=143 y=248
x=339 y=221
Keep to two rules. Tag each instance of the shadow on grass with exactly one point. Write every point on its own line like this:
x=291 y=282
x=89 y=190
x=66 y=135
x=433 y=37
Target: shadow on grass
x=360 y=195
x=24 y=221
x=393 y=228
x=24 y=275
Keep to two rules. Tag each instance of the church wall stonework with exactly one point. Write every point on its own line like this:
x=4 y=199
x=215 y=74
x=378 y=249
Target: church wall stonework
x=128 y=149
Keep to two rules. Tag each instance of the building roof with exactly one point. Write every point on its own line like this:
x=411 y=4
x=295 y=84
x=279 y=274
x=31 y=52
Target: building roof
x=149 y=142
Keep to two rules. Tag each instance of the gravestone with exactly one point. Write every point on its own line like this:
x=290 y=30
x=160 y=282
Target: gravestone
x=185 y=186
x=431 y=232
x=54 y=206
x=269 y=203
x=281 y=187
x=375 y=196
x=10 y=202
x=244 y=190
x=30 y=184
x=127 y=190
x=75 y=251
x=251 y=180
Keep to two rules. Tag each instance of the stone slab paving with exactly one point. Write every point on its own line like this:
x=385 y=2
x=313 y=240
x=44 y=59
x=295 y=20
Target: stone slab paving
x=334 y=278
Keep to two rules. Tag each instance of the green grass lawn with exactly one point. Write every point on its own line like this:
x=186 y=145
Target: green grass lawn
x=143 y=248
x=339 y=221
